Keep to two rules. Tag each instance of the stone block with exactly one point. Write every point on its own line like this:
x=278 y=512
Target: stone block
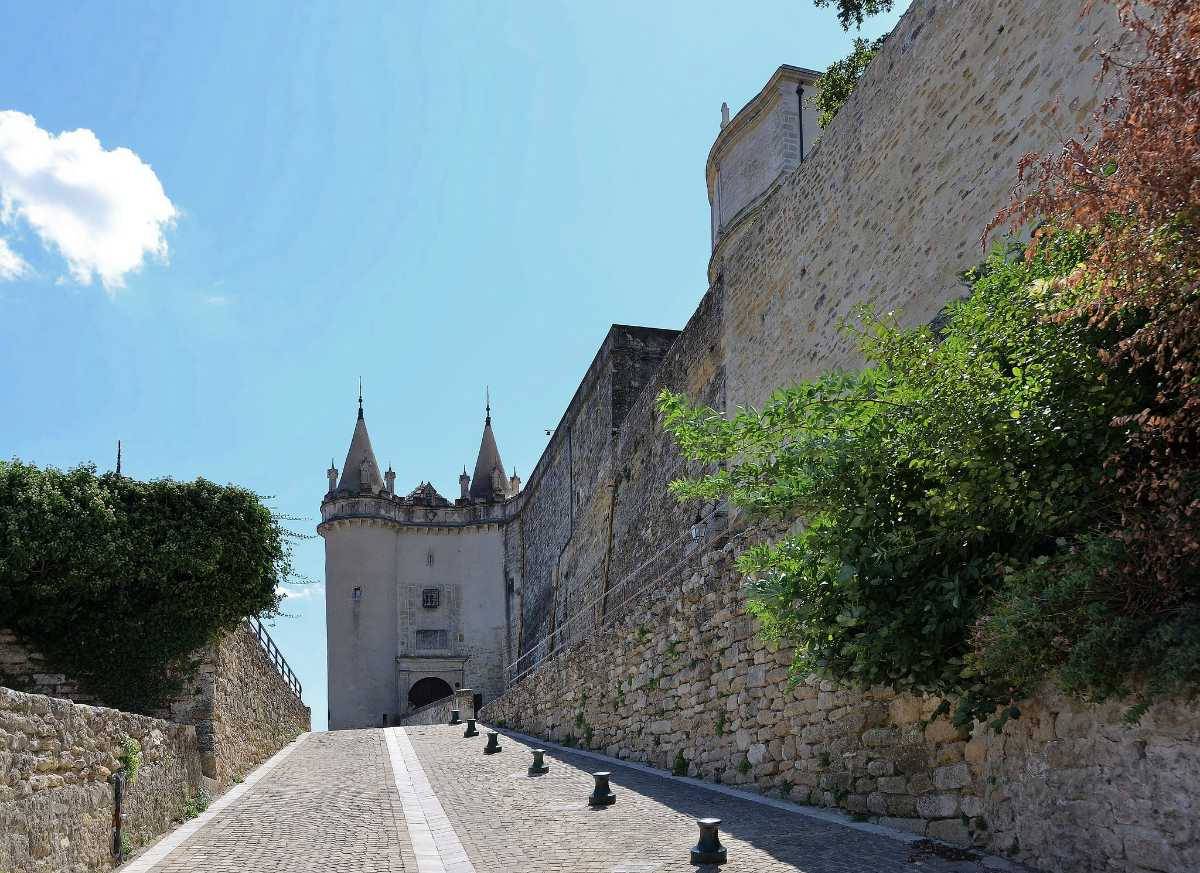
x=952 y=830
x=951 y=777
x=937 y=805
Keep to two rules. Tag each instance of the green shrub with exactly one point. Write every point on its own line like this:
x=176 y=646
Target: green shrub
x=950 y=496
x=131 y=759
x=118 y=582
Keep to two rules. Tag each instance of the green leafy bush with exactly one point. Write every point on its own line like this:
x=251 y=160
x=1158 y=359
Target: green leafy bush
x=950 y=499
x=854 y=11
x=118 y=582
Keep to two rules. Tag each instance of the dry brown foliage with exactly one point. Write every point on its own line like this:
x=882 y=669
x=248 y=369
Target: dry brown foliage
x=1132 y=180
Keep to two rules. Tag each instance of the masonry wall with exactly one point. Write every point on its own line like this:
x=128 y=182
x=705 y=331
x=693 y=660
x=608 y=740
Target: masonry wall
x=889 y=207
x=891 y=202
x=243 y=711
x=56 y=800
x=439 y=711
x=568 y=489
x=682 y=679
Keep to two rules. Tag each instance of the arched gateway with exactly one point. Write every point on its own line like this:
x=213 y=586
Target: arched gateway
x=427 y=690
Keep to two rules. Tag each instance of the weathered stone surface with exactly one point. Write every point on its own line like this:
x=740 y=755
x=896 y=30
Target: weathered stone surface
x=56 y=801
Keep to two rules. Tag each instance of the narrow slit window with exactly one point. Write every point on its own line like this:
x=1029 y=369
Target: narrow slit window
x=356 y=594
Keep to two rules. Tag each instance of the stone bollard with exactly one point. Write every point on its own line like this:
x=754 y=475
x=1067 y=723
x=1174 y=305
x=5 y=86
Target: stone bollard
x=454 y=719
x=602 y=795
x=470 y=731
x=538 y=767
x=493 y=743
x=709 y=850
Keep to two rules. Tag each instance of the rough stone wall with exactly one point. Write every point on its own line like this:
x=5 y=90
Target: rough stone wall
x=56 y=800
x=891 y=202
x=24 y=669
x=438 y=712
x=681 y=678
x=570 y=473
x=242 y=709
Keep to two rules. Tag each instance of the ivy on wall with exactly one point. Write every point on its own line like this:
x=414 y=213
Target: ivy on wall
x=118 y=582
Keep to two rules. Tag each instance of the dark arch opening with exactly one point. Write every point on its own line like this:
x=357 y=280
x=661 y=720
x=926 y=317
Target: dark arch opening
x=427 y=690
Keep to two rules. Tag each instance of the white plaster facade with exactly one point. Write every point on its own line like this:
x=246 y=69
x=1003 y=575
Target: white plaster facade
x=415 y=593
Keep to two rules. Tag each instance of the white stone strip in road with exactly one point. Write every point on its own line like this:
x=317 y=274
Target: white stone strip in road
x=990 y=862
x=434 y=842
x=159 y=851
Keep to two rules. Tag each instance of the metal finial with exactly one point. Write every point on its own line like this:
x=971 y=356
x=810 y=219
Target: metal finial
x=487 y=400
x=360 y=415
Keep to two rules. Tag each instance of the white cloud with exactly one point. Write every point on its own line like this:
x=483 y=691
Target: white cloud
x=104 y=210
x=12 y=265
x=216 y=300
x=296 y=593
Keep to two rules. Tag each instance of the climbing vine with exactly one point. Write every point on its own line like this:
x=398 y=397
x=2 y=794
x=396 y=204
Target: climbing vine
x=119 y=582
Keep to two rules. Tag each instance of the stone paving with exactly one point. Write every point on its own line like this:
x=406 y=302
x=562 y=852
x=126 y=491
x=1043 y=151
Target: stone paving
x=426 y=800
x=330 y=806
x=508 y=821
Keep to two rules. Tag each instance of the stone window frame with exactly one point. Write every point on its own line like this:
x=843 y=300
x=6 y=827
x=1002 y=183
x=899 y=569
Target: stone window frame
x=431 y=640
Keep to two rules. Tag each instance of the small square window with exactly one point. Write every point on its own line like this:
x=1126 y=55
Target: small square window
x=431 y=598
x=356 y=595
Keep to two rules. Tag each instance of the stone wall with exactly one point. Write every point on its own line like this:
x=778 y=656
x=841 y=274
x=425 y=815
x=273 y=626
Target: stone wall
x=243 y=710
x=891 y=202
x=56 y=798
x=438 y=712
x=682 y=680
x=570 y=478
x=241 y=707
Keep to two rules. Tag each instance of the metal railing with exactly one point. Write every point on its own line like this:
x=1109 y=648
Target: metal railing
x=276 y=657
x=615 y=601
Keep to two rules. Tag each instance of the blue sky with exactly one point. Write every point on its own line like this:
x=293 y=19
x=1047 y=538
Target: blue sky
x=432 y=196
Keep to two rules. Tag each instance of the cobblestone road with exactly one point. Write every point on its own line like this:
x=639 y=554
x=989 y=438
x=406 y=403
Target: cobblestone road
x=426 y=800
x=508 y=821
x=331 y=805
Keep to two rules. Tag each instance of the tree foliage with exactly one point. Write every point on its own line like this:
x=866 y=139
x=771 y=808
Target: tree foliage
x=1133 y=182
x=855 y=11
x=955 y=458
x=118 y=582
x=837 y=83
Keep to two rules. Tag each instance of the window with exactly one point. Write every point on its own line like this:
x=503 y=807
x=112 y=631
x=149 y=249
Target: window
x=356 y=595
x=429 y=559
x=431 y=598
x=428 y=640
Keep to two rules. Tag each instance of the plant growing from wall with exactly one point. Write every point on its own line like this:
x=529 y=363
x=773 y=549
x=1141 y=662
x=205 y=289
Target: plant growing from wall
x=855 y=11
x=679 y=766
x=119 y=582
x=838 y=82
x=131 y=759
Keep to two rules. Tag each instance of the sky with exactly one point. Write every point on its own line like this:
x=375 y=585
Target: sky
x=215 y=218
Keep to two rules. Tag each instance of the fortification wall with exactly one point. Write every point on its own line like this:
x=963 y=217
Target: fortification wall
x=888 y=207
x=56 y=800
x=681 y=678
x=571 y=481
x=890 y=203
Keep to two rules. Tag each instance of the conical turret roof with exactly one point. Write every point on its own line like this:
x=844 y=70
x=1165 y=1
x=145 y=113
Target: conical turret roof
x=482 y=487
x=361 y=473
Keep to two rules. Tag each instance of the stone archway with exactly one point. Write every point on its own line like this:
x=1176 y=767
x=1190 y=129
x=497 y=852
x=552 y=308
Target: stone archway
x=427 y=690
